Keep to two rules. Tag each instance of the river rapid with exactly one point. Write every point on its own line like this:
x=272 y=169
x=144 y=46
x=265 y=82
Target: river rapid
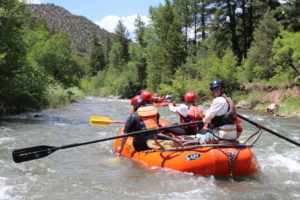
x=93 y=172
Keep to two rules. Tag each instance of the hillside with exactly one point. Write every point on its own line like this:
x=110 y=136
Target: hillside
x=79 y=28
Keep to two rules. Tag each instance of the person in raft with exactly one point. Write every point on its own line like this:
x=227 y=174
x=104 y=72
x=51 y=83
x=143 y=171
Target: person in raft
x=147 y=96
x=221 y=117
x=143 y=118
x=188 y=112
x=169 y=98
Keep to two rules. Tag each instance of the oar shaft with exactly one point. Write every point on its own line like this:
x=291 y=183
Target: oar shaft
x=129 y=134
x=32 y=153
x=269 y=130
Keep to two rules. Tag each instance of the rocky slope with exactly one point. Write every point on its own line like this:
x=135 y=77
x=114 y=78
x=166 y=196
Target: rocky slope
x=79 y=28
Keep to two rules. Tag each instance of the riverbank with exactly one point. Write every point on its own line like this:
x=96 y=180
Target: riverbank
x=280 y=100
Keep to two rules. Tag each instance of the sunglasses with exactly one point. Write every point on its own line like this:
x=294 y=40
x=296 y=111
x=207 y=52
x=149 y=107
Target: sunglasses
x=215 y=89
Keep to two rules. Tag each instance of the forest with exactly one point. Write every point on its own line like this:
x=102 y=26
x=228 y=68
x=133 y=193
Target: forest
x=187 y=44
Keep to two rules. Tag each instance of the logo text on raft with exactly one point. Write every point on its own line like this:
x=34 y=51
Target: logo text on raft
x=193 y=156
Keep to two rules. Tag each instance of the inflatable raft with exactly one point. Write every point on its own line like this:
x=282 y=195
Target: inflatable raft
x=158 y=104
x=208 y=159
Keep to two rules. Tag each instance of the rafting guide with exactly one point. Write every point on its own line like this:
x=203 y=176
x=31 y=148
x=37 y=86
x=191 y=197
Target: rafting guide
x=150 y=140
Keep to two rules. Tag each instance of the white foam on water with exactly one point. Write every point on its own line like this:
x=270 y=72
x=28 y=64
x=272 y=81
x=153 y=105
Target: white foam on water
x=290 y=182
x=282 y=161
x=5 y=140
x=5 y=189
x=59 y=124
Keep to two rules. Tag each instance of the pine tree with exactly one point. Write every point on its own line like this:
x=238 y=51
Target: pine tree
x=97 y=58
x=121 y=36
x=261 y=49
x=139 y=31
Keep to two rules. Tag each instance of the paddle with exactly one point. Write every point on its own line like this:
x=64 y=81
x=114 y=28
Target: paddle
x=269 y=130
x=102 y=121
x=32 y=153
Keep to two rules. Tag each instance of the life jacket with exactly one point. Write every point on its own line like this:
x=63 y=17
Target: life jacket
x=194 y=114
x=228 y=118
x=148 y=116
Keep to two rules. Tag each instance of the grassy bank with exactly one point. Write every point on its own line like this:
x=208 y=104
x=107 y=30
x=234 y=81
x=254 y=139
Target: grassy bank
x=56 y=96
x=288 y=106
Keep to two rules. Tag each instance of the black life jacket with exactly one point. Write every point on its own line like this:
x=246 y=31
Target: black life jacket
x=228 y=118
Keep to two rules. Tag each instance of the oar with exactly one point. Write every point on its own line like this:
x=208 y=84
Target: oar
x=269 y=130
x=32 y=153
x=102 y=121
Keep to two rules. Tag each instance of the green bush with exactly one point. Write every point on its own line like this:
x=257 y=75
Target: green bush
x=290 y=106
x=57 y=96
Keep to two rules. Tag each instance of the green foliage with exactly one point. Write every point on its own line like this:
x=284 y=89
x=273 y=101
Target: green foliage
x=97 y=58
x=258 y=65
x=55 y=56
x=290 y=106
x=121 y=37
x=38 y=66
x=95 y=85
x=286 y=57
x=12 y=46
x=57 y=96
x=166 y=48
x=290 y=15
x=139 y=31
x=22 y=83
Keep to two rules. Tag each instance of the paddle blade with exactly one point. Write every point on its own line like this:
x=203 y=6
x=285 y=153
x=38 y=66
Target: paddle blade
x=100 y=121
x=32 y=153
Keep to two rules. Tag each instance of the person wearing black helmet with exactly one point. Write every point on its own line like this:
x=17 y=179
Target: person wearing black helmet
x=142 y=118
x=221 y=116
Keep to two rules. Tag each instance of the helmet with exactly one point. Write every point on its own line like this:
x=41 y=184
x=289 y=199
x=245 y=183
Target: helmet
x=217 y=83
x=137 y=100
x=146 y=95
x=190 y=96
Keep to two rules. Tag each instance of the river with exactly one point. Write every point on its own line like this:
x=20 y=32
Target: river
x=93 y=172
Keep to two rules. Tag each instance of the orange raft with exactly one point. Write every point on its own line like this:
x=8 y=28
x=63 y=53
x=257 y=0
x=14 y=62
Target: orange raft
x=158 y=104
x=208 y=159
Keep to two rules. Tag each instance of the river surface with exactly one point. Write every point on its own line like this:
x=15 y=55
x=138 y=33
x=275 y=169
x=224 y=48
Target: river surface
x=93 y=172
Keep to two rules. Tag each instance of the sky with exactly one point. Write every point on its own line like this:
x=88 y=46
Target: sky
x=106 y=13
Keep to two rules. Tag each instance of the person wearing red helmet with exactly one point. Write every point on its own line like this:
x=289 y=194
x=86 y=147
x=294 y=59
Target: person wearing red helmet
x=143 y=118
x=137 y=101
x=147 y=96
x=188 y=112
x=221 y=117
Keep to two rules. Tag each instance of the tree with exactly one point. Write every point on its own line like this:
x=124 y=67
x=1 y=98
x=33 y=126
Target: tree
x=121 y=36
x=289 y=15
x=22 y=83
x=139 y=31
x=286 y=57
x=97 y=58
x=183 y=7
x=55 y=56
x=137 y=52
x=165 y=51
x=261 y=49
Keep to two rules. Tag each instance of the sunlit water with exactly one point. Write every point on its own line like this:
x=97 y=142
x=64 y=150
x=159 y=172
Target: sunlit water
x=93 y=172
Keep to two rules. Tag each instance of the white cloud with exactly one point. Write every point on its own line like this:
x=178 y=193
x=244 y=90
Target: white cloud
x=109 y=23
x=31 y=1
